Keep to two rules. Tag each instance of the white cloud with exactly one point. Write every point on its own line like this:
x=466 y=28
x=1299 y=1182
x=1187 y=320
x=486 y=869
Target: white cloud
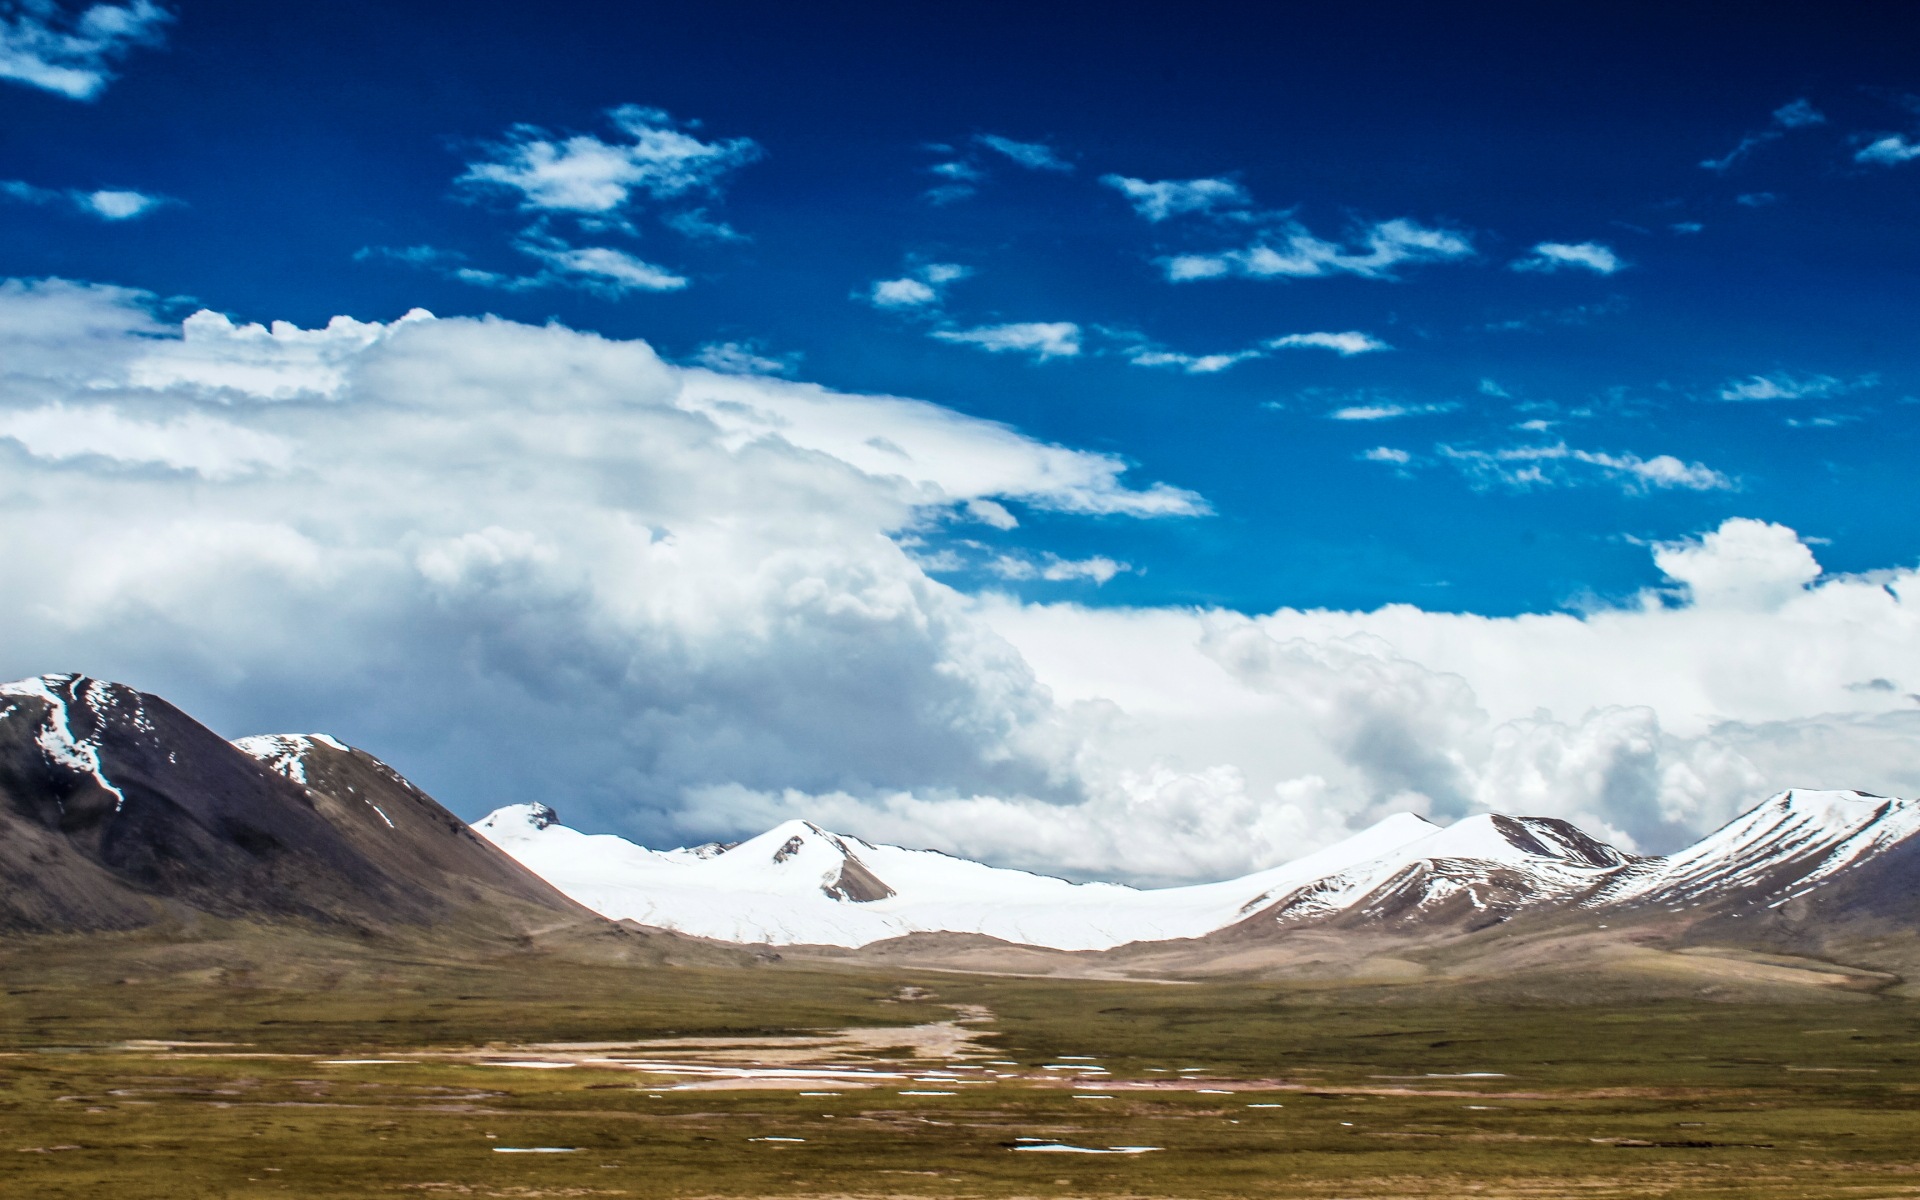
x=696 y=224
x=1142 y=352
x=43 y=46
x=107 y=204
x=1745 y=146
x=1293 y=252
x=1651 y=722
x=1743 y=564
x=604 y=267
x=645 y=579
x=1051 y=567
x=1387 y=454
x=1145 y=354
x=1042 y=339
x=1161 y=199
x=989 y=512
x=902 y=293
x=919 y=289
x=1888 y=151
x=118 y=205
x=1035 y=156
x=683 y=602
x=583 y=175
x=1346 y=345
x=742 y=358
x=1560 y=465
x=193 y=442
x=1795 y=114
x=1782 y=386
x=1560 y=256
x=1798 y=114
x=1386 y=410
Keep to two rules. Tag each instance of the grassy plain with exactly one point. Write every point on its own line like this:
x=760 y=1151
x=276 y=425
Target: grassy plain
x=1379 y=1093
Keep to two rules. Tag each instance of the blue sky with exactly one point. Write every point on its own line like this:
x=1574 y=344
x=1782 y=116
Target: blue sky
x=1467 y=310
x=286 y=141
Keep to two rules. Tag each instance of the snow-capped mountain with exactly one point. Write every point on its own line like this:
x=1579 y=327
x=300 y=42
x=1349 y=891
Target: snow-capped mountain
x=800 y=884
x=1777 y=851
x=118 y=810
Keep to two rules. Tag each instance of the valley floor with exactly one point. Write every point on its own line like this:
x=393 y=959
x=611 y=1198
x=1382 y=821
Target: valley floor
x=195 y=1075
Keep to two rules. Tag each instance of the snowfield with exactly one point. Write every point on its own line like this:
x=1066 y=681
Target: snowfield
x=798 y=884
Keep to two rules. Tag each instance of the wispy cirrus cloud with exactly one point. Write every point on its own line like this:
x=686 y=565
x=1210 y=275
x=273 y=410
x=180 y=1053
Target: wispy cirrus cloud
x=1386 y=410
x=106 y=204
x=1795 y=114
x=1142 y=352
x=1040 y=339
x=1159 y=200
x=1784 y=386
x=604 y=270
x=1522 y=468
x=1291 y=251
x=1035 y=156
x=1055 y=569
x=1549 y=257
x=602 y=267
x=1346 y=344
x=44 y=46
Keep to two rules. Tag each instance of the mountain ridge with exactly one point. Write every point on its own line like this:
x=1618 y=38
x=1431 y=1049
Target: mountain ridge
x=1403 y=874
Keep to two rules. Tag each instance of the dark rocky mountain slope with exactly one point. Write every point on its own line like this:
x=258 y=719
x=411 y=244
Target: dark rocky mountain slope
x=119 y=811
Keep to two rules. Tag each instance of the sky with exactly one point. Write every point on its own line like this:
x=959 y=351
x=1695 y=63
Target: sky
x=1144 y=444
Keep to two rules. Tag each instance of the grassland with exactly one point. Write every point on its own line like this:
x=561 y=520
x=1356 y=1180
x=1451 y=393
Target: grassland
x=1379 y=1094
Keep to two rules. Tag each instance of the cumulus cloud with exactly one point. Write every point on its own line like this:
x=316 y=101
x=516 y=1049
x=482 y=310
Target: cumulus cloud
x=1649 y=722
x=1161 y=199
x=529 y=563
x=656 y=159
x=1035 y=156
x=1041 y=339
x=599 y=575
x=1560 y=465
x=1549 y=257
x=1291 y=251
x=106 y=204
x=1387 y=454
x=45 y=46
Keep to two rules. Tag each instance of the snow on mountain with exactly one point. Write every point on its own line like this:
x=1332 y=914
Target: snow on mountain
x=56 y=738
x=286 y=753
x=1486 y=863
x=798 y=883
x=1780 y=849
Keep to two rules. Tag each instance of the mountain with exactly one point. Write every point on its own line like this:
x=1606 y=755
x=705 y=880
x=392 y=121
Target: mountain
x=798 y=884
x=119 y=811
